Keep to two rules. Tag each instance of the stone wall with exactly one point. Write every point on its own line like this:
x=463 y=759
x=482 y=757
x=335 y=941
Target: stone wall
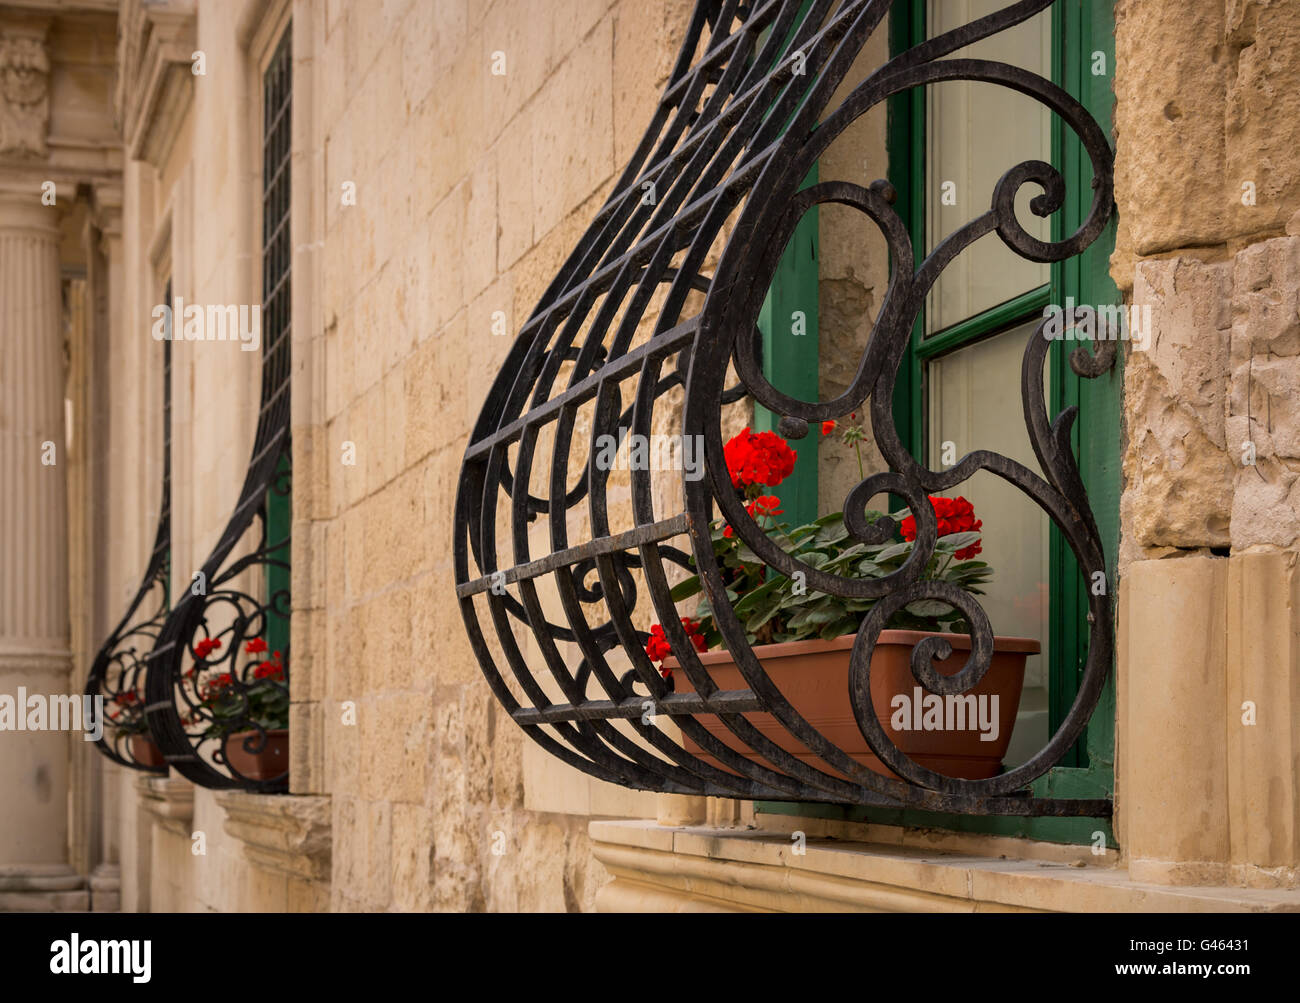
x=1208 y=189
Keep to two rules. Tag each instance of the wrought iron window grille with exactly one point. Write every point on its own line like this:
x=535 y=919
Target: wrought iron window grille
x=203 y=681
x=743 y=119
x=118 y=671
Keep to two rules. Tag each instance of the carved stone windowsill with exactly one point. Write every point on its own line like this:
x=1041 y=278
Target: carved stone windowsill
x=170 y=800
x=702 y=869
x=281 y=832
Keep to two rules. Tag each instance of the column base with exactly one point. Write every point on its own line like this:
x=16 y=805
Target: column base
x=106 y=889
x=43 y=888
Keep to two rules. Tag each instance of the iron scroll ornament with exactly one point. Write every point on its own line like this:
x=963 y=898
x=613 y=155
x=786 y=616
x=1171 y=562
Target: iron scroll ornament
x=738 y=129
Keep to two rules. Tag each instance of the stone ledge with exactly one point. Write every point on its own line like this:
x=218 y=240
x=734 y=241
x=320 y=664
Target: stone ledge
x=282 y=832
x=39 y=878
x=78 y=901
x=170 y=800
x=696 y=869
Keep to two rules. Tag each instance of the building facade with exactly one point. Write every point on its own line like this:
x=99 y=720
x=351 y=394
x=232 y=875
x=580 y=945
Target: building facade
x=261 y=265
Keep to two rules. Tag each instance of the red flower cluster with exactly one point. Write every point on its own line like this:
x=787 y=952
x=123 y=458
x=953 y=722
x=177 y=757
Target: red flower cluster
x=658 y=648
x=125 y=699
x=218 y=683
x=255 y=647
x=206 y=647
x=764 y=506
x=269 y=670
x=758 y=458
x=956 y=515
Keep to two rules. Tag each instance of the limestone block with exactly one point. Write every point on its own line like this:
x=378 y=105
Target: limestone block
x=479 y=241
x=378 y=850
x=412 y=858
x=1262 y=113
x=1171 y=720
x=573 y=130
x=1266 y=507
x=646 y=40
x=1263 y=705
x=1171 y=74
x=514 y=196
x=1264 y=401
x=1179 y=472
x=525 y=39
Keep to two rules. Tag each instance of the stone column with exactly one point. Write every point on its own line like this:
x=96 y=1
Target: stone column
x=95 y=779
x=34 y=629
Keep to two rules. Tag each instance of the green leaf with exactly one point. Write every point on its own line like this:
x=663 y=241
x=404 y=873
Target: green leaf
x=930 y=607
x=793 y=601
x=832 y=532
x=955 y=541
x=686 y=589
x=838 y=628
x=751 y=599
x=894 y=551
x=761 y=617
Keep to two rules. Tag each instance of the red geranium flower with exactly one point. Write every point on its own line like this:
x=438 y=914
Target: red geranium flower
x=658 y=648
x=255 y=646
x=269 y=670
x=764 y=505
x=760 y=507
x=206 y=647
x=955 y=515
x=828 y=426
x=758 y=458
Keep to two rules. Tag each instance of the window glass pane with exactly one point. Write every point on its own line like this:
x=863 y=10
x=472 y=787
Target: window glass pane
x=975 y=133
x=974 y=403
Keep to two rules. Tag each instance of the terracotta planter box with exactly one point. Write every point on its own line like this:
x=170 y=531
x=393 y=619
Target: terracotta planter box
x=813 y=676
x=145 y=751
x=270 y=762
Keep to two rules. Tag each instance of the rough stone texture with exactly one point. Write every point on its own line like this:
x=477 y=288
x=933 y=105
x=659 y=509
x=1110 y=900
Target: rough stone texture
x=1264 y=401
x=1178 y=473
x=1213 y=451
x=1206 y=107
x=1170 y=82
x=1262 y=113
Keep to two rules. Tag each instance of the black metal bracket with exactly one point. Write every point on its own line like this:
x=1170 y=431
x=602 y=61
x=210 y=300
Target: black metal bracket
x=739 y=126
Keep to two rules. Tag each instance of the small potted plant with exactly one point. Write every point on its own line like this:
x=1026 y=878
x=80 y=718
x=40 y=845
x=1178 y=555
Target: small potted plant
x=249 y=714
x=127 y=719
x=803 y=637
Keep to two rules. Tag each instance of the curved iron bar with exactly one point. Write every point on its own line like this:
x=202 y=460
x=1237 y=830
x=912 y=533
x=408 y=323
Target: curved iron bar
x=210 y=678
x=118 y=672
x=743 y=119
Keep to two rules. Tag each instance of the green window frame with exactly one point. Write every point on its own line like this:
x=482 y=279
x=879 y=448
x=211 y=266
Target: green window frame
x=1082 y=31
x=277 y=117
